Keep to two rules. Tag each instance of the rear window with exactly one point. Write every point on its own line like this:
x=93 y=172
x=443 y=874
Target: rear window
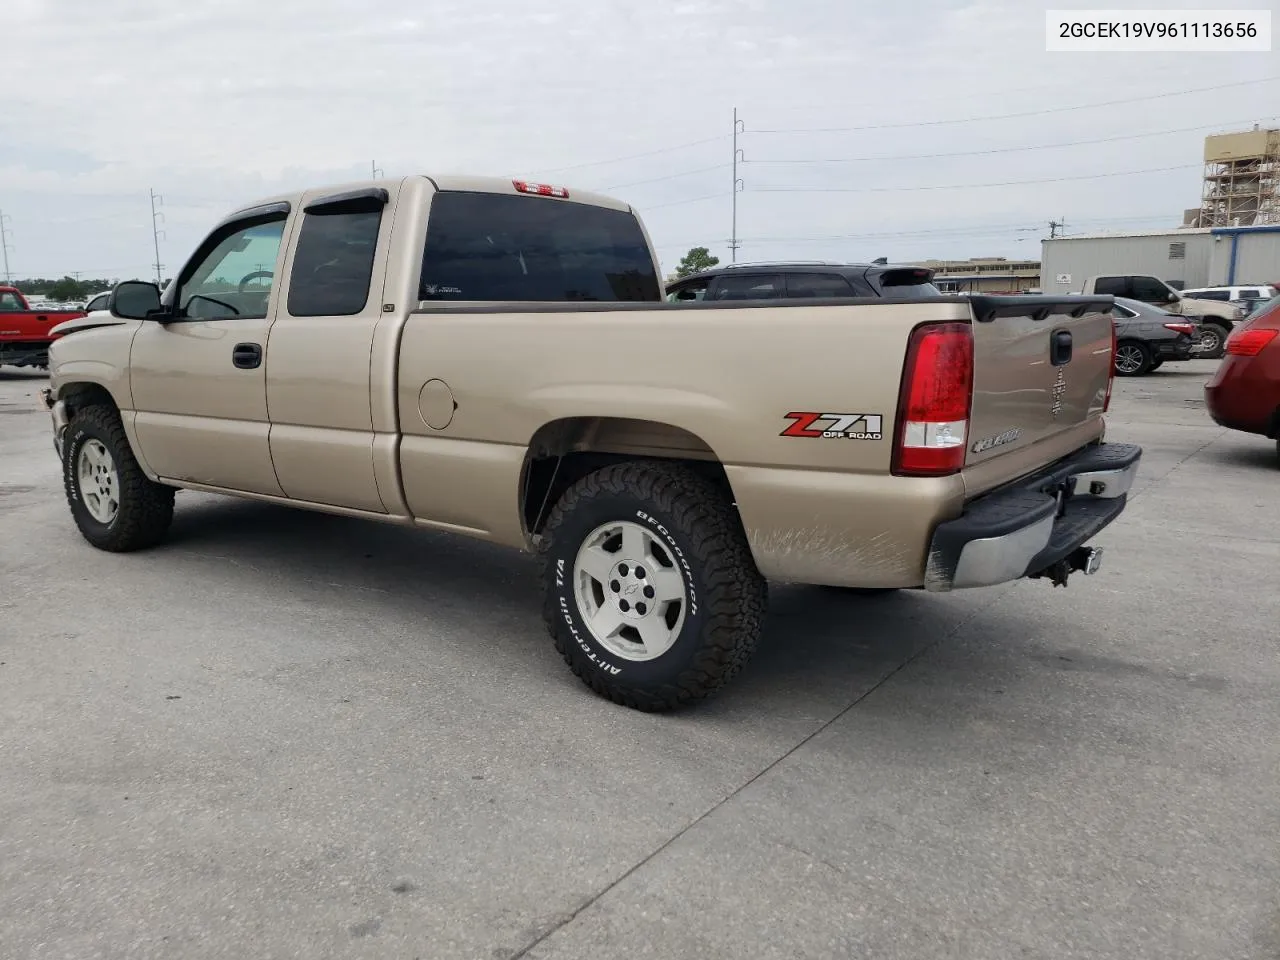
x=490 y=246
x=1110 y=286
x=907 y=284
x=1209 y=295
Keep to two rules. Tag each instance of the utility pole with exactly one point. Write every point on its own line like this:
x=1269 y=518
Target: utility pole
x=156 y=218
x=373 y=168
x=4 y=243
x=1055 y=226
x=738 y=127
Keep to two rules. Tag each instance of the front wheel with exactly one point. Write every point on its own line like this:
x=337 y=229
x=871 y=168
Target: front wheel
x=1213 y=339
x=114 y=504
x=1133 y=359
x=650 y=591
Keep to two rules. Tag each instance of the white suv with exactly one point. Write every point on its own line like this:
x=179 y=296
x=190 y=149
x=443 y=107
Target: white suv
x=1261 y=291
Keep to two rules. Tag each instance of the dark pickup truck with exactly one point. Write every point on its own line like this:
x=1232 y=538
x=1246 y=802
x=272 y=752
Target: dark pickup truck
x=25 y=334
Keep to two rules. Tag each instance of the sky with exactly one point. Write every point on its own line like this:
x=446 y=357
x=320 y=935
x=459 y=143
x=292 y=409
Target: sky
x=867 y=129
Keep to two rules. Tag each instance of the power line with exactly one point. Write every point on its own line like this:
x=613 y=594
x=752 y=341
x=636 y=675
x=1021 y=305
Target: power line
x=993 y=150
x=670 y=176
x=942 y=232
x=680 y=203
x=1023 y=113
x=974 y=186
x=636 y=156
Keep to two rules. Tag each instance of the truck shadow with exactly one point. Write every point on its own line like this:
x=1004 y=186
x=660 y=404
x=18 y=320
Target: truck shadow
x=819 y=645
x=1260 y=453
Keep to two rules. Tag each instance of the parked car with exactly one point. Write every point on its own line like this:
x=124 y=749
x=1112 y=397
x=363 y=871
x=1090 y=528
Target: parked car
x=1147 y=336
x=804 y=280
x=521 y=381
x=1244 y=393
x=1216 y=319
x=26 y=330
x=1251 y=305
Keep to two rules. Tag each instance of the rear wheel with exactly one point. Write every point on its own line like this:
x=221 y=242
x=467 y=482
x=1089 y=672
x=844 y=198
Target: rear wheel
x=650 y=591
x=1133 y=359
x=1213 y=339
x=114 y=504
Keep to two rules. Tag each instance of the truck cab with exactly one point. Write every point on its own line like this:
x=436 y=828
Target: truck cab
x=1219 y=319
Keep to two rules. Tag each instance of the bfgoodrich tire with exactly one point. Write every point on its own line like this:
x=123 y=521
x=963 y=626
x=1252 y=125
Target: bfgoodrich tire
x=649 y=588
x=113 y=503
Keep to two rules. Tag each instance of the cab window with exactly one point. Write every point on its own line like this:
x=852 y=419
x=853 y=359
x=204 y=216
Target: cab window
x=685 y=292
x=234 y=279
x=750 y=287
x=1150 y=290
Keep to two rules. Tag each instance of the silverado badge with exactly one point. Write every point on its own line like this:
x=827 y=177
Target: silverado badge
x=998 y=440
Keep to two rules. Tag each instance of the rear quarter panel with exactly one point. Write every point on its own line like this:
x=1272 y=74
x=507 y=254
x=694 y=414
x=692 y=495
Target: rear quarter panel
x=727 y=375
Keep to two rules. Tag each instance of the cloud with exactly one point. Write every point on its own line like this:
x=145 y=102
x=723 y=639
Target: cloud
x=216 y=104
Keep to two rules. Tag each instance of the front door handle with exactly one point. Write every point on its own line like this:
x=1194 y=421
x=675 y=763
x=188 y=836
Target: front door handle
x=247 y=356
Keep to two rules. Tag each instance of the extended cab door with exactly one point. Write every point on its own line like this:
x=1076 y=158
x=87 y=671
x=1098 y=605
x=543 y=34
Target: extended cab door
x=198 y=380
x=318 y=357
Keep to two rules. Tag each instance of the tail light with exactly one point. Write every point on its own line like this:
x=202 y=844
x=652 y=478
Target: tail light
x=1111 y=369
x=1249 y=342
x=1187 y=328
x=934 y=401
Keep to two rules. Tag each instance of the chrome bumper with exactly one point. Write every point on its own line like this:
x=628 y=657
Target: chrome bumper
x=1036 y=527
x=58 y=411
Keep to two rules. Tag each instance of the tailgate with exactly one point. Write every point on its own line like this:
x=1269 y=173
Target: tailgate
x=1041 y=368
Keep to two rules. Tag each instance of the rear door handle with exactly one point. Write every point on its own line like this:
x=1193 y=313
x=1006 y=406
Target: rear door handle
x=1060 y=347
x=247 y=356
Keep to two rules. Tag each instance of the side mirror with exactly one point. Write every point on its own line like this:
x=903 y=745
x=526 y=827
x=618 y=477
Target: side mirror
x=1173 y=297
x=135 y=300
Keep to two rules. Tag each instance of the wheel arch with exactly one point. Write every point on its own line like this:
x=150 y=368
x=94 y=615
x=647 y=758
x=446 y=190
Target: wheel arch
x=564 y=450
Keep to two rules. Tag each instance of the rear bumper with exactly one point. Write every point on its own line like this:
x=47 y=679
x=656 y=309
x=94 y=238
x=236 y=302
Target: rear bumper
x=1183 y=348
x=1244 y=394
x=1035 y=526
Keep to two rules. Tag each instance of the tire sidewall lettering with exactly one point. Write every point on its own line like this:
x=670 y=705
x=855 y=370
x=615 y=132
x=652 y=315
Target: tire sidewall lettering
x=575 y=631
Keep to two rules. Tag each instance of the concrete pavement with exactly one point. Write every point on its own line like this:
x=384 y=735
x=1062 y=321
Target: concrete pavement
x=288 y=735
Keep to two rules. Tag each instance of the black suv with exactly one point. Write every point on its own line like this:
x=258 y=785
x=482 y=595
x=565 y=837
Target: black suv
x=809 y=280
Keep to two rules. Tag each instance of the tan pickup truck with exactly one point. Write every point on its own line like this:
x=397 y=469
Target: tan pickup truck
x=495 y=358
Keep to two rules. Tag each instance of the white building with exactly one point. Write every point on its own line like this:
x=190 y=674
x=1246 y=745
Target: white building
x=1187 y=257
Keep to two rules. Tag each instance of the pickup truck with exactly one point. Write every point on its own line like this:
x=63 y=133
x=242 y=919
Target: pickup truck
x=495 y=358
x=1218 y=319
x=25 y=334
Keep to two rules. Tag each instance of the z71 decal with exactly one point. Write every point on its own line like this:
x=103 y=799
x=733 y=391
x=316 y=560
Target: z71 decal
x=848 y=426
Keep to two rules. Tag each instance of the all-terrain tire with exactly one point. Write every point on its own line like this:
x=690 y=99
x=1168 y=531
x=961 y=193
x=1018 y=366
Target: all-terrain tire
x=685 y=517
x=145 y=508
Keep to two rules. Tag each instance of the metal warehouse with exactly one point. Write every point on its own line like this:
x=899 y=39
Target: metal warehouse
x=1187 y=257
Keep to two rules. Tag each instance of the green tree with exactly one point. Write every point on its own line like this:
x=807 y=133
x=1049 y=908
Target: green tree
x=695 y=261
x=67 y=289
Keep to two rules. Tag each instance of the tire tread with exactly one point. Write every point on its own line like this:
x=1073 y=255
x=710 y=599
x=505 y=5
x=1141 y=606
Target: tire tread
x=735 y=597
x=146 y=507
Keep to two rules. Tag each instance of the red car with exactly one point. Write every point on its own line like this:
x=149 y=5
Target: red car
x=1244 y=394
x=24 y=333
